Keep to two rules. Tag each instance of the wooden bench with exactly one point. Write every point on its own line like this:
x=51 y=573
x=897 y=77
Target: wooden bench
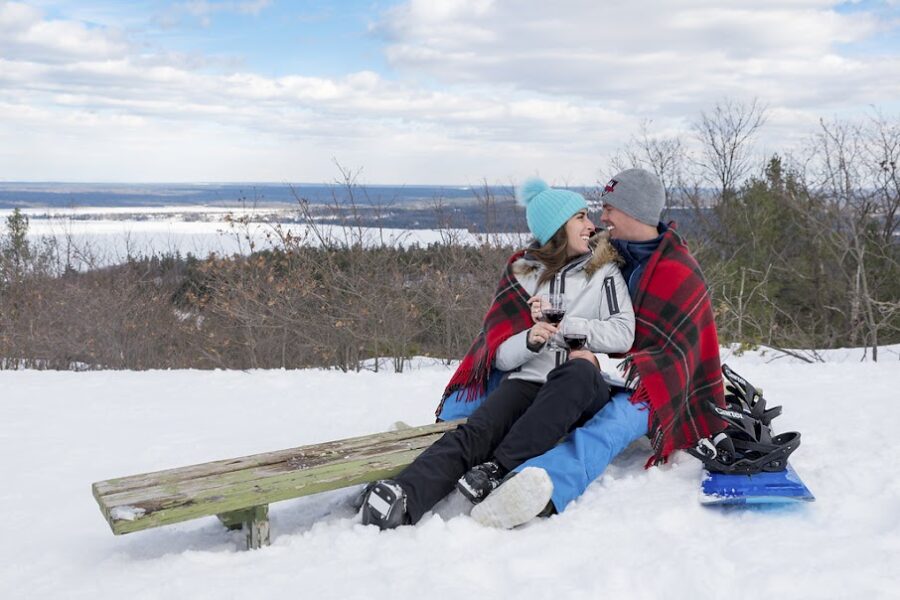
x=240 y=490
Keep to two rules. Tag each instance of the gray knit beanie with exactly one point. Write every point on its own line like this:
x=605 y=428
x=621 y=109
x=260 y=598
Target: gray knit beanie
x=638 y=193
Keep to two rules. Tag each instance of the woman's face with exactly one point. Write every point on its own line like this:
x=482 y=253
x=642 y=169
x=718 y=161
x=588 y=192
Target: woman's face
x=578 y=230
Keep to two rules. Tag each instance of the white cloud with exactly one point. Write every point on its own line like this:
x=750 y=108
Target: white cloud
x=512 y=89
x=25 y=34
x=645 y=51
x=205 y=9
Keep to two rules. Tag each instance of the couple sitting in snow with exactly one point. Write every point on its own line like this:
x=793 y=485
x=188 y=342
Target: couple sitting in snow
x=522 y=395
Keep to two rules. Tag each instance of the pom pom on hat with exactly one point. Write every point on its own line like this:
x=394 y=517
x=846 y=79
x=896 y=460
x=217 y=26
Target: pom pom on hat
x=526 y=192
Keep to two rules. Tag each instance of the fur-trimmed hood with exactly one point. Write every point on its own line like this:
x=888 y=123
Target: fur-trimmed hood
x=602 y=253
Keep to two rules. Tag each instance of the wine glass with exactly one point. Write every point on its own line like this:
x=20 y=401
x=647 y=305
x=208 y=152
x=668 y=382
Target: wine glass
x=553 y=308
x=575 y=333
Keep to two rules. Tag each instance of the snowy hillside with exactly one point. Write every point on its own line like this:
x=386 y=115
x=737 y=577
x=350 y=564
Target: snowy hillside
x=635 y=534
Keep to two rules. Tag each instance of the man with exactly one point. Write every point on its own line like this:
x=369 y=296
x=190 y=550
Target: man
x=674 y=361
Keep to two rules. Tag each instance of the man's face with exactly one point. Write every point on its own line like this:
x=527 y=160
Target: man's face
x=621 y=226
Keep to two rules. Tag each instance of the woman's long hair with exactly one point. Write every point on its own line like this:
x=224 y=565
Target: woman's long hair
x=553 y=255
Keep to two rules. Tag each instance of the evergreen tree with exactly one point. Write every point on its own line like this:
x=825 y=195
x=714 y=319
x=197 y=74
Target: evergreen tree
x=15 y=251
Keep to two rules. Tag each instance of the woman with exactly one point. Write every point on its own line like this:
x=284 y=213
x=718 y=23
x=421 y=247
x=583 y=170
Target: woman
x=542 y=396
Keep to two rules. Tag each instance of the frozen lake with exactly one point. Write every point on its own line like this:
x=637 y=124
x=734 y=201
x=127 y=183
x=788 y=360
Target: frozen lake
x=108 y=235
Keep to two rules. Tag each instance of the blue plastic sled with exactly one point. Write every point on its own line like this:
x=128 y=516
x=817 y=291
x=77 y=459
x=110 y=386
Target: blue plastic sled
x=762 y=488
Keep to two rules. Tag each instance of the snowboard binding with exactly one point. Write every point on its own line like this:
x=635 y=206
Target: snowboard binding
x=746 y=445
x=740 y=392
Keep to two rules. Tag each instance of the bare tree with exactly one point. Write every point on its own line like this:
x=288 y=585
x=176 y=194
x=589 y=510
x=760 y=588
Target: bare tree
x=726 y=134
x=854 y=170
x=665 y=156
x=883 y=154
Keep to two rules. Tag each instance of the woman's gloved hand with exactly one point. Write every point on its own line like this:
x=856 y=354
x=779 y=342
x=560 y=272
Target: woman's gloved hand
x=540 y=334
x=584 y=355
x=537 y=309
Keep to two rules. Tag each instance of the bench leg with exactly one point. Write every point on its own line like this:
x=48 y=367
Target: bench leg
x=257 y=528
x=254 y=521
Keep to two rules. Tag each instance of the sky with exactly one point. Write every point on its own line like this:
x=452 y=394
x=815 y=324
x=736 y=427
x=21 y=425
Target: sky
x=416 y=92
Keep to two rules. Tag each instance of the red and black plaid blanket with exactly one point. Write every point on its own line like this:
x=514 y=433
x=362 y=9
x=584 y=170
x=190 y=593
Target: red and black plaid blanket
x=675 y=356
x=508 y=314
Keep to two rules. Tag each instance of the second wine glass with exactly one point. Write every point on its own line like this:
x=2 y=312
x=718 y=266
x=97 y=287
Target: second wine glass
x=575 y=334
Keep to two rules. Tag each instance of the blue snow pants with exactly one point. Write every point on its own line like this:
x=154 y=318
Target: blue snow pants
x=585 y=453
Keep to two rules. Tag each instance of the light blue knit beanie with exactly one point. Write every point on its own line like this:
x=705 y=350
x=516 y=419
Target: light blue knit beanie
x=546 y=208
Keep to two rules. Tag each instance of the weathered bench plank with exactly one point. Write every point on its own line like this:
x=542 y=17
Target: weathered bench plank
x=228 y=487
x=320 y=451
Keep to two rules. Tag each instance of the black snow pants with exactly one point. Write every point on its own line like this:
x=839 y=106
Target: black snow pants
x=518 y=421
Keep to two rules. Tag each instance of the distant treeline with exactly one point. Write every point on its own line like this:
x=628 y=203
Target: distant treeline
x=798 y=255
x=65 y=195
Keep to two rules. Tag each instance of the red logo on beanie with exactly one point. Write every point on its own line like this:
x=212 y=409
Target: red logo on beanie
x=610 y=187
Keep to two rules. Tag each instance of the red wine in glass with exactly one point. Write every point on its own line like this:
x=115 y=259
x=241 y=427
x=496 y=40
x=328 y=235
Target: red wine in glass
x=575 y=341
x=554 y=315
x=553 y=309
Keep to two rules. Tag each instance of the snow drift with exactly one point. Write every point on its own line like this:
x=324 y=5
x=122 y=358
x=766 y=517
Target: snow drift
x=634 y=534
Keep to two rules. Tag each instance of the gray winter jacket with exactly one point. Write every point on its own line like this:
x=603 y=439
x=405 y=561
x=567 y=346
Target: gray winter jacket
x=595 y=291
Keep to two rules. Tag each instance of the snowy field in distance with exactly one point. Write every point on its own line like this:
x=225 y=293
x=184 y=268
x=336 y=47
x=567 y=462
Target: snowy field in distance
x=112 y=234
x=634 y=534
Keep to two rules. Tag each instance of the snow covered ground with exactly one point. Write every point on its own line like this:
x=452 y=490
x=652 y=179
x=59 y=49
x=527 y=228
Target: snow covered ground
x=635 y=533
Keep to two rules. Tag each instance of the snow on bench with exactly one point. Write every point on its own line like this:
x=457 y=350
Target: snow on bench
x=240 y=490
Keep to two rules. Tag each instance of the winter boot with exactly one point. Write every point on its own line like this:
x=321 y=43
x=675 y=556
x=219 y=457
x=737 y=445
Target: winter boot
x=481 y=480
x=360 y=498
x=520 y=498
x=385 y=505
